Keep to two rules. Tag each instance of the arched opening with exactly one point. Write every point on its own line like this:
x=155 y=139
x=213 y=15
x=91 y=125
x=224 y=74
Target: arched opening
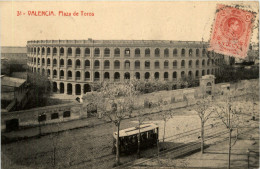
x=203 y=62
x=190 y=74
x=69 y=75
x=156 y=75
x=116 y=64
x=69 y=52
x=183 y=52
x=78 y=89
x=43 y=61
x=87 y=88
x=190 y=52
x=87 y=76
x=69 y=88
x=208 y=72
x=87 y=64
x=62 y=74
x=197 y=73
x=117 y=52
x=77 y=63
x=166 y=52
x=197 y=52
x=174 y=75
x=174 y=64
x=127 y=52
x=166 y=75
x=157 y=52
x=78 y=75
x=204 y=52
x=127 y=75
x=107 y=52
x=175 y=52
x=61 y=87
x=147 y=75
x=106 y=76
x=116 y=76
x=54 y=73
x=183 y=64
x=190 y=64
x=106 y=64
x=69 y=63
x=78 y=52
x=96 y=76
x=127 y=64
x=96 y=64
x=137 y=52
x=54 y=62
x=54 y=51
x=137 y=75
x=43 y=51
x=48 y=51
x=61 y=63
x=54 y=87
x=197 y=63
x=61 y=51
x=96 y=52
x=166 y=64
x=87 y=52
x=157 y=65
x=48 y=73
x=137 y=64
x=147 y=52
x=182 y=74
x=203 y=72
x=147 y=64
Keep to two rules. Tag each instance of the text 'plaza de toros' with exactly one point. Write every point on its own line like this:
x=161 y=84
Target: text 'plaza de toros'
x=74 y=66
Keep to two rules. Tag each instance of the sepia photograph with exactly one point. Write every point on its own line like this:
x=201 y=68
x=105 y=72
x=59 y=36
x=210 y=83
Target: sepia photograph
x=129 y=84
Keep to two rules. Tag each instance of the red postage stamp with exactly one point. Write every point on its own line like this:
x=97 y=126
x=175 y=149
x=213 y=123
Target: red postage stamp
x=232 y=31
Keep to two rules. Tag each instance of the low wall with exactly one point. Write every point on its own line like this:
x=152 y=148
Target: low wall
x=49 y=114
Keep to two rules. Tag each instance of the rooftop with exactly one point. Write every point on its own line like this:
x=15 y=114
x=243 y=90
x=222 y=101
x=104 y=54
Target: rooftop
x=113 y=42
x=13 y=49
x=11 y=81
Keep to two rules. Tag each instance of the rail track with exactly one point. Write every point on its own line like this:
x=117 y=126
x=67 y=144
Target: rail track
x=217 y=136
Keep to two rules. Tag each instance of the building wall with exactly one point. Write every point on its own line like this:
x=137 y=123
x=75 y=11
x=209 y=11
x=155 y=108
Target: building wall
x=30 y=117
x=46 y=57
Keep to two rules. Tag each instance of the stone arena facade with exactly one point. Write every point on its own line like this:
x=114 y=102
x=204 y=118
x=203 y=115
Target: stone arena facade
x=73 y=66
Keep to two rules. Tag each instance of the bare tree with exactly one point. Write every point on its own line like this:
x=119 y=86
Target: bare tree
x=204 y=111
x=116 y=102
x=165 y=114
x=230 y=113
x=140 y=120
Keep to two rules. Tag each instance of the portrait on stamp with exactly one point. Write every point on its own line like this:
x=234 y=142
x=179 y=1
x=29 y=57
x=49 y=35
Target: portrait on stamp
x=232 y=31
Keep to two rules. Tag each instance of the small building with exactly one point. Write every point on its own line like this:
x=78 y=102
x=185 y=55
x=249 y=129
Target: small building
x=13 y=93
x=207 y=84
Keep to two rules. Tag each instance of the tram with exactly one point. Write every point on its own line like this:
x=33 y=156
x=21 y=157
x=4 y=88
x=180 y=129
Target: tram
x=128 y=138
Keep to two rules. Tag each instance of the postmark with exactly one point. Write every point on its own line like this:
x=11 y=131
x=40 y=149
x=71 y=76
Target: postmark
x=232 y=31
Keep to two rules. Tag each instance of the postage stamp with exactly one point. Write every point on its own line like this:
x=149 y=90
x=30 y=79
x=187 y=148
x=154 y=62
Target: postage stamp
x=231 y=31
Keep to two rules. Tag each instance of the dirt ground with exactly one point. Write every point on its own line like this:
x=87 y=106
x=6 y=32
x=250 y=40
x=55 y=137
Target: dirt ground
x=90 y=147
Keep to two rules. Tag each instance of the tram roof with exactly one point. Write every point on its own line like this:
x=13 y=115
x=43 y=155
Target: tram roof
x=135 y=130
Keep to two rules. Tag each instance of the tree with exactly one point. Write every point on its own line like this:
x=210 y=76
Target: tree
x=229 y=111
x=141 y=120
x=40 y=88
x=165 y=114
x=116 y=102
x=204 y=111
x=252 y=89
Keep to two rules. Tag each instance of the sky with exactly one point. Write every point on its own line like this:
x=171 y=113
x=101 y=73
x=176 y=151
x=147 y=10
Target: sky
x=186 y=21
